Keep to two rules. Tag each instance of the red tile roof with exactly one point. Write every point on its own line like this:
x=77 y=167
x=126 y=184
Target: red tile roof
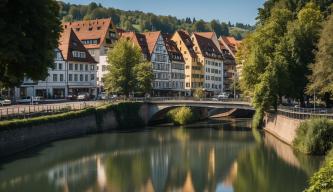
x=138 y=39
x=207 y=47
x=92 y=30
x=229 y=43
x=152 y=38
x=68 y=43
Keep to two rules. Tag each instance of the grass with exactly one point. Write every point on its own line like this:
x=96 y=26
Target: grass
x=314 y=136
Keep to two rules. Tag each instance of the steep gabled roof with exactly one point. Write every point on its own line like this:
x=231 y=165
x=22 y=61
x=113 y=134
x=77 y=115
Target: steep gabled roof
x=139 y=40
x=68 y=43
x=229 y=43
x=173 y=51
x=92 y=30
x=208 y=35
x=152 y=38
x=207 y=47
x=185 y=37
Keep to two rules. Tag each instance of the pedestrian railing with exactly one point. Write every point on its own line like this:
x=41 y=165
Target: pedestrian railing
x=305 y=113
x=23 y=112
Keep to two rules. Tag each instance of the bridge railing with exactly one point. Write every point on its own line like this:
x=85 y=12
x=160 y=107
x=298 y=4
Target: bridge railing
x=143 y=99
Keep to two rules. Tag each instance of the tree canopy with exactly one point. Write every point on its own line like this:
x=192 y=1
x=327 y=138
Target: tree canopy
x=128 y=72
x=276 y=56
x=29 y=33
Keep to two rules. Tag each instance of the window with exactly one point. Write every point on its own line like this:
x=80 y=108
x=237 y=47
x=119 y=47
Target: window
x=104 y=68
x=81 y=67
x=92 y=67
x=75 y=77
x=92 y=77
x=86 y=67
x=60 y=66
x=55 y=77
x=76 y=67
x=81 y=77
x=70 y=66
x=70 y=77
x=61 y=77
x=86 y=77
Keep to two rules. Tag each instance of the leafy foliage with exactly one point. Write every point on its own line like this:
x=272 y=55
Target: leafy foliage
x=127 y=70
x=321 y=79
x=29 y=32
x=323 y=179
x=199 y=93
x=275 y=57
x=181 y=116
x=314 y=136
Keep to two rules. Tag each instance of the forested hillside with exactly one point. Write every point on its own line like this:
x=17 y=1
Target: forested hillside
x=140 y=21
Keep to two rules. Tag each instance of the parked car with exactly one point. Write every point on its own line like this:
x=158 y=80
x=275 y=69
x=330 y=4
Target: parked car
x=4 y=101
x=29 y=99
x=223 y=96
x=71 y=96
x=103 y=96
x=83 y=96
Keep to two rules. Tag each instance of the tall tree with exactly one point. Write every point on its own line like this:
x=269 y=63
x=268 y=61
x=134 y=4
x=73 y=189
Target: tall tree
x=29 y=33
x=215 y=27
x=127 y=70
x=200 y=26
x=302 y=37
x=321 y=80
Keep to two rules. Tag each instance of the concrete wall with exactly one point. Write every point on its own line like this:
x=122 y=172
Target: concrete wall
x=282 y=127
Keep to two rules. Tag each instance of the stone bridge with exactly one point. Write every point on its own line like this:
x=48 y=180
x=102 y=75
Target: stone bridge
x=154 y=110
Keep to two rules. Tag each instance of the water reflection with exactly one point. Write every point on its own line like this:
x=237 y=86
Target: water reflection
x=211 y=156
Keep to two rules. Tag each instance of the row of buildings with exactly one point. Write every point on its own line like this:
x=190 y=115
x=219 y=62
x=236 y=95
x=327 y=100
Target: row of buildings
x=181 y=62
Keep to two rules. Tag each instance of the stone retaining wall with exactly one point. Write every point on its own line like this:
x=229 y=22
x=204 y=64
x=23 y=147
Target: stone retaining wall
x=281 y=127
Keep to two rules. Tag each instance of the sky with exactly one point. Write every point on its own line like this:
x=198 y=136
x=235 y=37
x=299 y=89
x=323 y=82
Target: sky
x=244 y=11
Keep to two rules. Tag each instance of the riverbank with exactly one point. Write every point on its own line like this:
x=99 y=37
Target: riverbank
x=19 y=135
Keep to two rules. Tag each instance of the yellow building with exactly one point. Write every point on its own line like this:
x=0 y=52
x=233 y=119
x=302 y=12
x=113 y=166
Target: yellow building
x=206 y=47
x=194 y=71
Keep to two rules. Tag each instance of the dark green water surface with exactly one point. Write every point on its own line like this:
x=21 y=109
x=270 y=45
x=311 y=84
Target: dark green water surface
x=217 y=155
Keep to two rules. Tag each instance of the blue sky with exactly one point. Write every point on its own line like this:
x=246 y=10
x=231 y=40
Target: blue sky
x=243 y=11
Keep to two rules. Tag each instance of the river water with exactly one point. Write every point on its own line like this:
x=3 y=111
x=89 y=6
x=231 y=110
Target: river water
x=216 y=155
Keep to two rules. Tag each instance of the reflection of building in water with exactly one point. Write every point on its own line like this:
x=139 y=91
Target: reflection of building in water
x=159 y=162
x=230 y=179
x=211 y=166
x=73 y=173
x=188 y=185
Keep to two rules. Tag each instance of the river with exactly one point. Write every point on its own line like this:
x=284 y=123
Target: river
x=216 y=155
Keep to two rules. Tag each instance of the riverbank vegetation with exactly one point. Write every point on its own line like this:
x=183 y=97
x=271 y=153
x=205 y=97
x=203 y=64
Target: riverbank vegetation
x=181 y=116
x=277 y=55
x=323 y=179
x=314 y=136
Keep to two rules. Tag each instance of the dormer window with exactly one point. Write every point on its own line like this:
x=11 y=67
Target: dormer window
x=79 y=54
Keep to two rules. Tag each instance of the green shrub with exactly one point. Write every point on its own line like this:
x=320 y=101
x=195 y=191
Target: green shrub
x=257 y=119
x=323 y=179
x=181 y=116
x=314 y=136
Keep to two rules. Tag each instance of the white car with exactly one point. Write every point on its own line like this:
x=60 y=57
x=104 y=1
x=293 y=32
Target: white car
x=83 y=96
x=29 y=99
x=223 y=96
x=5 y=101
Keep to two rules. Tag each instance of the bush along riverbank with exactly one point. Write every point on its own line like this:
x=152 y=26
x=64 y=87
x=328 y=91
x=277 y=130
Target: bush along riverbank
x=22 y=134
x=182 y=116
x=315 y=137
